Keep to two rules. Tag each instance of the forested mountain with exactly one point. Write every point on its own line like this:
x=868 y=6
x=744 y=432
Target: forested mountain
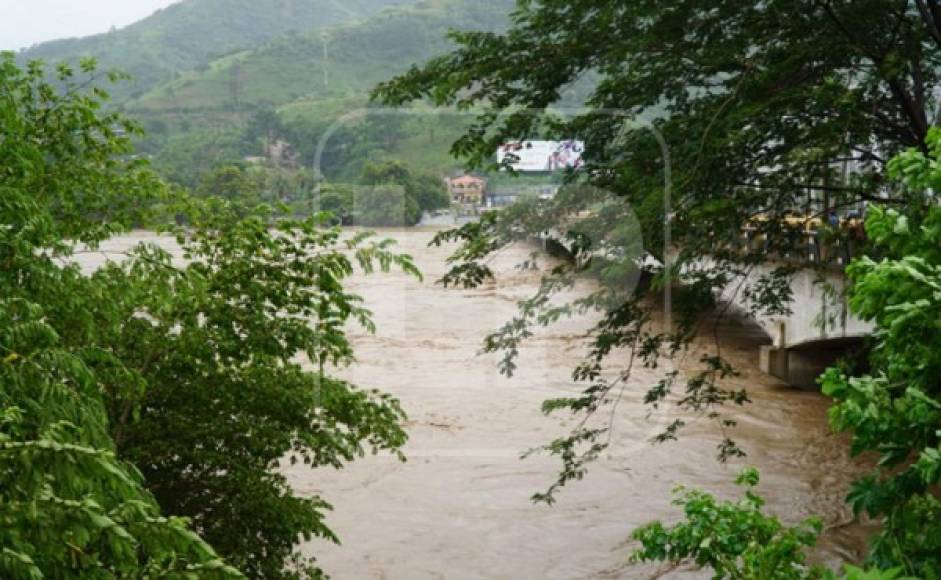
x=191 y=33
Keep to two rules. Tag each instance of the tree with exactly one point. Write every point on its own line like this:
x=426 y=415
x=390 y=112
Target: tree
x=746 y=113
x=265 y=126
x=183 y=157
x=337 y=200
x=430 y=192
x=895 y=410
x=422 y=191
x=217 y=344
x=738 y=541
x=734 y=539
x=154 y=386
x=384 y=205
x=237 y=183
x=69 y=505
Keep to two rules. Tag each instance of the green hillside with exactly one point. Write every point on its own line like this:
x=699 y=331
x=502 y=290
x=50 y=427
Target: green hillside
x=310 y=80
x=336 y=62
x=188 y=35
x=206 y=71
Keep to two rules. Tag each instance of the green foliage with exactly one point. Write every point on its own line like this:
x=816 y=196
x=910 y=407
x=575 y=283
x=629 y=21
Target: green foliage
x=192 y=33
x=338 y=61
x=702 y=119
x=217 y=343
x=734 y=539
x=396 y=195
x=896 y=410
x=312 y=80
x=237 y=183
x=602 y=239
x=69 y=506
x=219 y=80
x=265 y=126
x=854 y=573
x=738 y=541
x=193 y=379
x=706 y=117
x=183 y=154
x=384 y=205
x=341 y=136
x=388 y=194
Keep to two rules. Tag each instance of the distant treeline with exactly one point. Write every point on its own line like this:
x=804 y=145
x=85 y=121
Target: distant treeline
x=384 y=194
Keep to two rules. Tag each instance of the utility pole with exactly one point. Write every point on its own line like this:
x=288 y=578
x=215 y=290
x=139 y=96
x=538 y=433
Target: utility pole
x=235 y=83
x=326 y=59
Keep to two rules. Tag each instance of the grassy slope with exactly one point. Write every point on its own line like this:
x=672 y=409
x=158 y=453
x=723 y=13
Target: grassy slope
x=203 y=66
x=358 y=55
x=190 y=34
x=288 y=74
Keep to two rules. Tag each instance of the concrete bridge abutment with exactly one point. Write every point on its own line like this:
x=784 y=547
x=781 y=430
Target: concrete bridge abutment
x=818 y=332
x=800 y=367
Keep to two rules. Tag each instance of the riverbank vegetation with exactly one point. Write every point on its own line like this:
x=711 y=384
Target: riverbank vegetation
x=894 y=410
x=153 y=387
x=386 y=194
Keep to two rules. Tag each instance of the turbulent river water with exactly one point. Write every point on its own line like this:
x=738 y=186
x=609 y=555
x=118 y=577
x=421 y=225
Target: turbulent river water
x=459 y=507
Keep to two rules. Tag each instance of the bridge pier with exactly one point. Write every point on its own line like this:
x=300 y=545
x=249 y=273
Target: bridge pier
x=818 y=330
x=774 y=361
x=801 y=367
x=797 y=368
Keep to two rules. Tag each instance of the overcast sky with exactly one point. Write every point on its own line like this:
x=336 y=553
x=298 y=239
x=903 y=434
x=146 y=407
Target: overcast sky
x=26 y=22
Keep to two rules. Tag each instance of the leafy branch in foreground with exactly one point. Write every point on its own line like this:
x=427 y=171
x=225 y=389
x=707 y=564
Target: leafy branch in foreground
x=738 y=541
x=161 y=386
x=603 y=241
x=235 y=349
x=734 y=539
x=895 y=409
x=703 y=119
x=70 y=505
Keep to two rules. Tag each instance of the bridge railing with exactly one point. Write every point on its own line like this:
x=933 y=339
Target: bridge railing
x=834 y=244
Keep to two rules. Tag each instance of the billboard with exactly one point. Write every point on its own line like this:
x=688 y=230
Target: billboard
x=541 y=156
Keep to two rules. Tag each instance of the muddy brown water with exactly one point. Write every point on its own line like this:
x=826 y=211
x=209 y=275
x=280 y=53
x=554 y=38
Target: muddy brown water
x=460 y=506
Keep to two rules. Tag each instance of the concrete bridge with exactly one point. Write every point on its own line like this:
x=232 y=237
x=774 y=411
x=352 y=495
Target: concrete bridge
x=817 y=331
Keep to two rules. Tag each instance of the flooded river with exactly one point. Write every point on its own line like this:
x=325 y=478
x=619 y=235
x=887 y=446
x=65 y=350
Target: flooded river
x=459 y=508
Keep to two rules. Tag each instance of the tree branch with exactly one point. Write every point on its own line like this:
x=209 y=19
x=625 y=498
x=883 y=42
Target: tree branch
x=931 y=15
